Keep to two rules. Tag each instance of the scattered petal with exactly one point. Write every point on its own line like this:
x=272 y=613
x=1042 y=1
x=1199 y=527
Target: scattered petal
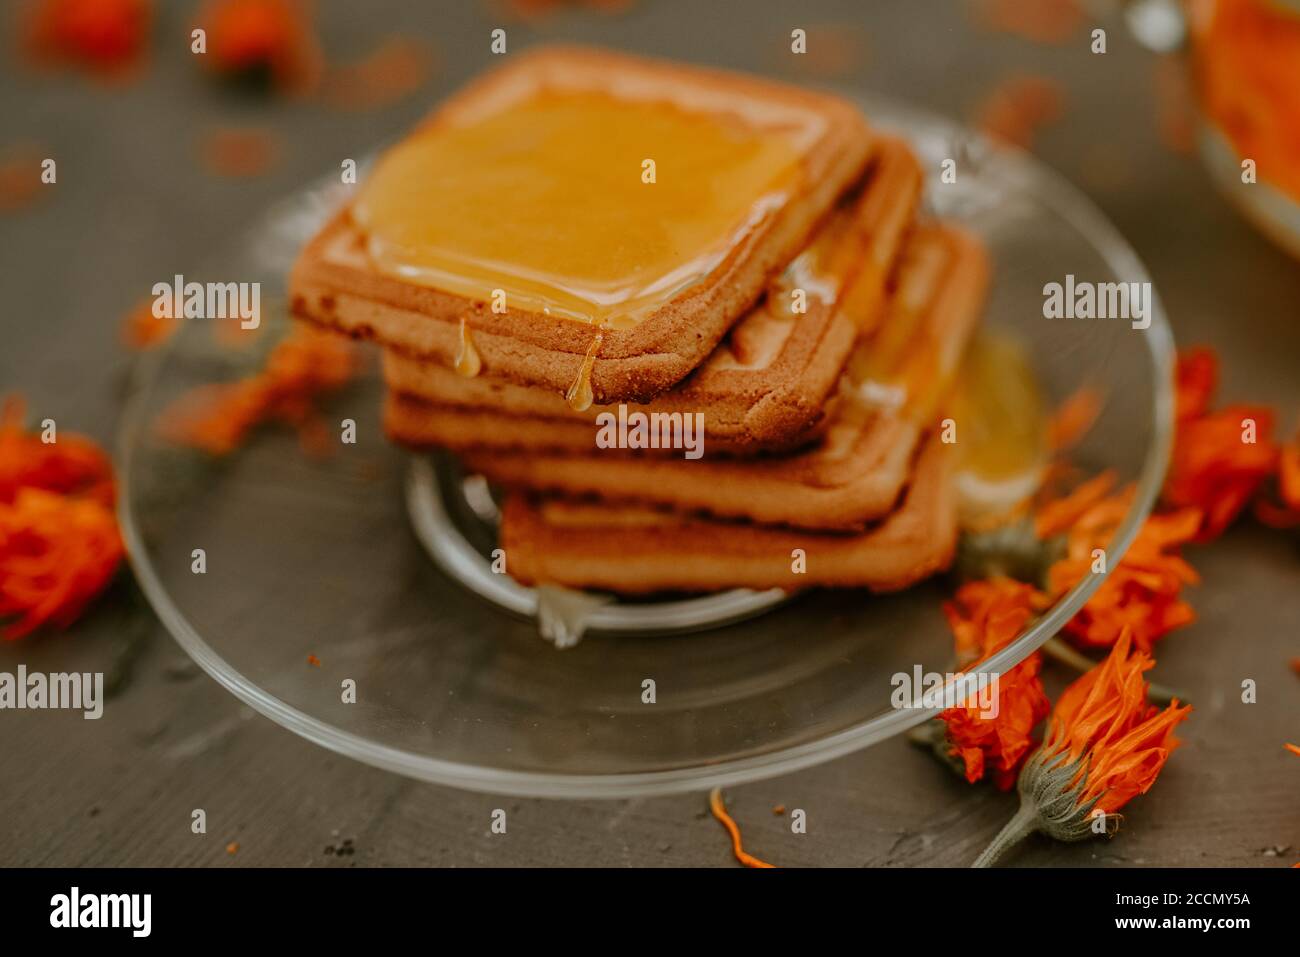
x=20 y=176
x=1073 y=419
x=143 y=329
x=1019 y=106
x=1142 y=594
x=217 y=419
x=1220 y=459
x=106 y=37
x=239 y=153
x=1043 y=21
x=394 y=69
x=720 y=812
x=269 y=41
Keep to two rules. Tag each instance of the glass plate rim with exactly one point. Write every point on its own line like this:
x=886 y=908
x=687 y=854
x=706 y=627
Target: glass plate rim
x=1049 y=187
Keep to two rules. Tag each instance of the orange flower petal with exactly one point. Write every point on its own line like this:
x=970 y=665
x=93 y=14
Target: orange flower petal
x=1196 y=379
x=1104 y=717
x=1059 y=516
x=271 y=35
x=1073 y=418
x=107 y=36
x=1220 y=458
x=1045 y=21
x=57 y=553
x=985 y=616
x=141 y=329
x=1002 y=742
x=1141 y=593
x=70 y=465
x=218 y=418
x=1288 y=474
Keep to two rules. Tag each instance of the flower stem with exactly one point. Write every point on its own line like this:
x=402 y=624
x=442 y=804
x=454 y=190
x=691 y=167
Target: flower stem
x=1017 y=829
x=1059 y=651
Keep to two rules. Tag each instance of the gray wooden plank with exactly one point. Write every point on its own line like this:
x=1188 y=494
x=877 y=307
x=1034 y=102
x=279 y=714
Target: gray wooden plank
x=133 y=205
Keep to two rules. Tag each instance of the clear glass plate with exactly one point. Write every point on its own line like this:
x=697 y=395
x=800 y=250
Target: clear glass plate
x=320 y=557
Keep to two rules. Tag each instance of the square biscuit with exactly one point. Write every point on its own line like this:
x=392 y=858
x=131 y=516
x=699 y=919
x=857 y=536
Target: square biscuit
x=337 y=283
x=637 y=550
x=847 y=477
x=766 y=384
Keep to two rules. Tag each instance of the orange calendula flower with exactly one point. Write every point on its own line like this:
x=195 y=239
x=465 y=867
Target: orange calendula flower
x=985 y=616
x=67 y=464
x=57 y=553
x=1106 y=744
x=304 y=365
x=59 y=544
x=1143 y=593
x=1104 y=726
x=1220 y=458
x=1245 y=55
x=107 y=36
x=262 y=39
x=1282 y=509
x=997 y=745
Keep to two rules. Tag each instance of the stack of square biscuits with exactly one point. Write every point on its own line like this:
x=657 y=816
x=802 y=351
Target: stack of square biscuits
x=734 y=384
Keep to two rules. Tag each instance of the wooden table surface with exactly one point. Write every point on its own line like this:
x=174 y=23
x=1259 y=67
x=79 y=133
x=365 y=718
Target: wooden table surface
x=133 y=204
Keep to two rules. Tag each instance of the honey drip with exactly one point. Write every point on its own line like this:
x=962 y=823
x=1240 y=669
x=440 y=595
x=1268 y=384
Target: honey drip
x=468 y=362
x=580 y=395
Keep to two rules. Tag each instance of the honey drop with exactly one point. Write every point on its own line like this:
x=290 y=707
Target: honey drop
x=580 y=395
x=468 y=362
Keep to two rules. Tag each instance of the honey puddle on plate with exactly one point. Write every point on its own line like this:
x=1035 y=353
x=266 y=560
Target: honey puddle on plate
x=1002 y=448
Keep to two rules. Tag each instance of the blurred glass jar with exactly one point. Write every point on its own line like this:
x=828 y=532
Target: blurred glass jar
x=1245 y=66
x=1246 y=72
